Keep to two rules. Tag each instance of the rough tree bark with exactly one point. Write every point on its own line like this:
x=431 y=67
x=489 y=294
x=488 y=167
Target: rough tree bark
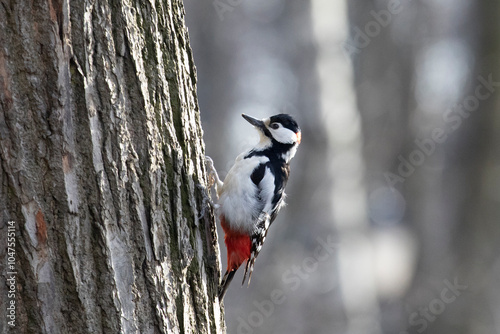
x=102 y=171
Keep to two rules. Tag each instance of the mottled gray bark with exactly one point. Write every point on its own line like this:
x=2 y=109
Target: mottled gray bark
x=102 y=171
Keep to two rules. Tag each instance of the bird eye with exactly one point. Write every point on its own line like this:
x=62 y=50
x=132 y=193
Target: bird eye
x=274 y=126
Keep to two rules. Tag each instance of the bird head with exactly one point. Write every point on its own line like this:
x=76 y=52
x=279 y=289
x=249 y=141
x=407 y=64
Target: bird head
x=281 y=128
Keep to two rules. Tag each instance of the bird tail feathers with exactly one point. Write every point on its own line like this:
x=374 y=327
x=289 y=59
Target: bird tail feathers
x=224 y=284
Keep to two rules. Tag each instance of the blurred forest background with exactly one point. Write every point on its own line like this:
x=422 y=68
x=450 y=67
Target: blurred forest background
x=392 y=224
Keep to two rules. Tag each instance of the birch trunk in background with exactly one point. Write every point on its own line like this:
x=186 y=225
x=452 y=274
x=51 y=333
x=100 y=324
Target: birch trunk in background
x=102 y=175
x=356 y=244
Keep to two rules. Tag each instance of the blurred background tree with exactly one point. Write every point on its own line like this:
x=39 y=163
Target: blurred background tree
x=398 y=169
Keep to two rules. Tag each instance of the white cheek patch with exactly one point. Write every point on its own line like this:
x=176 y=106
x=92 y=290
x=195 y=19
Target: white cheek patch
x=284 y=135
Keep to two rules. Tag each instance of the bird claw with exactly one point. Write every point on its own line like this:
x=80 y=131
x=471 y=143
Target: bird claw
x=212 y=177
x=209 y=163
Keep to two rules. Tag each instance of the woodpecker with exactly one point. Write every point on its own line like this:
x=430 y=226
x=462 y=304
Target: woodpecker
x=253 y=192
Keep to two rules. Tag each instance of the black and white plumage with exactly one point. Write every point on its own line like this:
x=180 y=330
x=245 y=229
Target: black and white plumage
x=253 y=192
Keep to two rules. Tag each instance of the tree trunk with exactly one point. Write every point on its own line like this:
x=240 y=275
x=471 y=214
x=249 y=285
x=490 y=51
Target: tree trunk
x=102 y=176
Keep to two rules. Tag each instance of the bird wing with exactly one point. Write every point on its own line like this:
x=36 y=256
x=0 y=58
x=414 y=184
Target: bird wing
x=270 y=192
x=258 y=239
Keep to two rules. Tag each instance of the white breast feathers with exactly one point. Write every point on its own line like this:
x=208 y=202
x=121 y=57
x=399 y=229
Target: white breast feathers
x=239 y=200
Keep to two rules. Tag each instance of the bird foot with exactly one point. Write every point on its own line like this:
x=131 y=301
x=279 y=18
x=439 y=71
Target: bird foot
x=213 y=177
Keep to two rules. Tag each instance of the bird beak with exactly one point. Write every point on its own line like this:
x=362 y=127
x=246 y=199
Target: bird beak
x=254 y=121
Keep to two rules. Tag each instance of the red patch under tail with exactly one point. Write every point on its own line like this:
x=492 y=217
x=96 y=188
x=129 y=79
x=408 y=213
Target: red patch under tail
x=238 y=246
